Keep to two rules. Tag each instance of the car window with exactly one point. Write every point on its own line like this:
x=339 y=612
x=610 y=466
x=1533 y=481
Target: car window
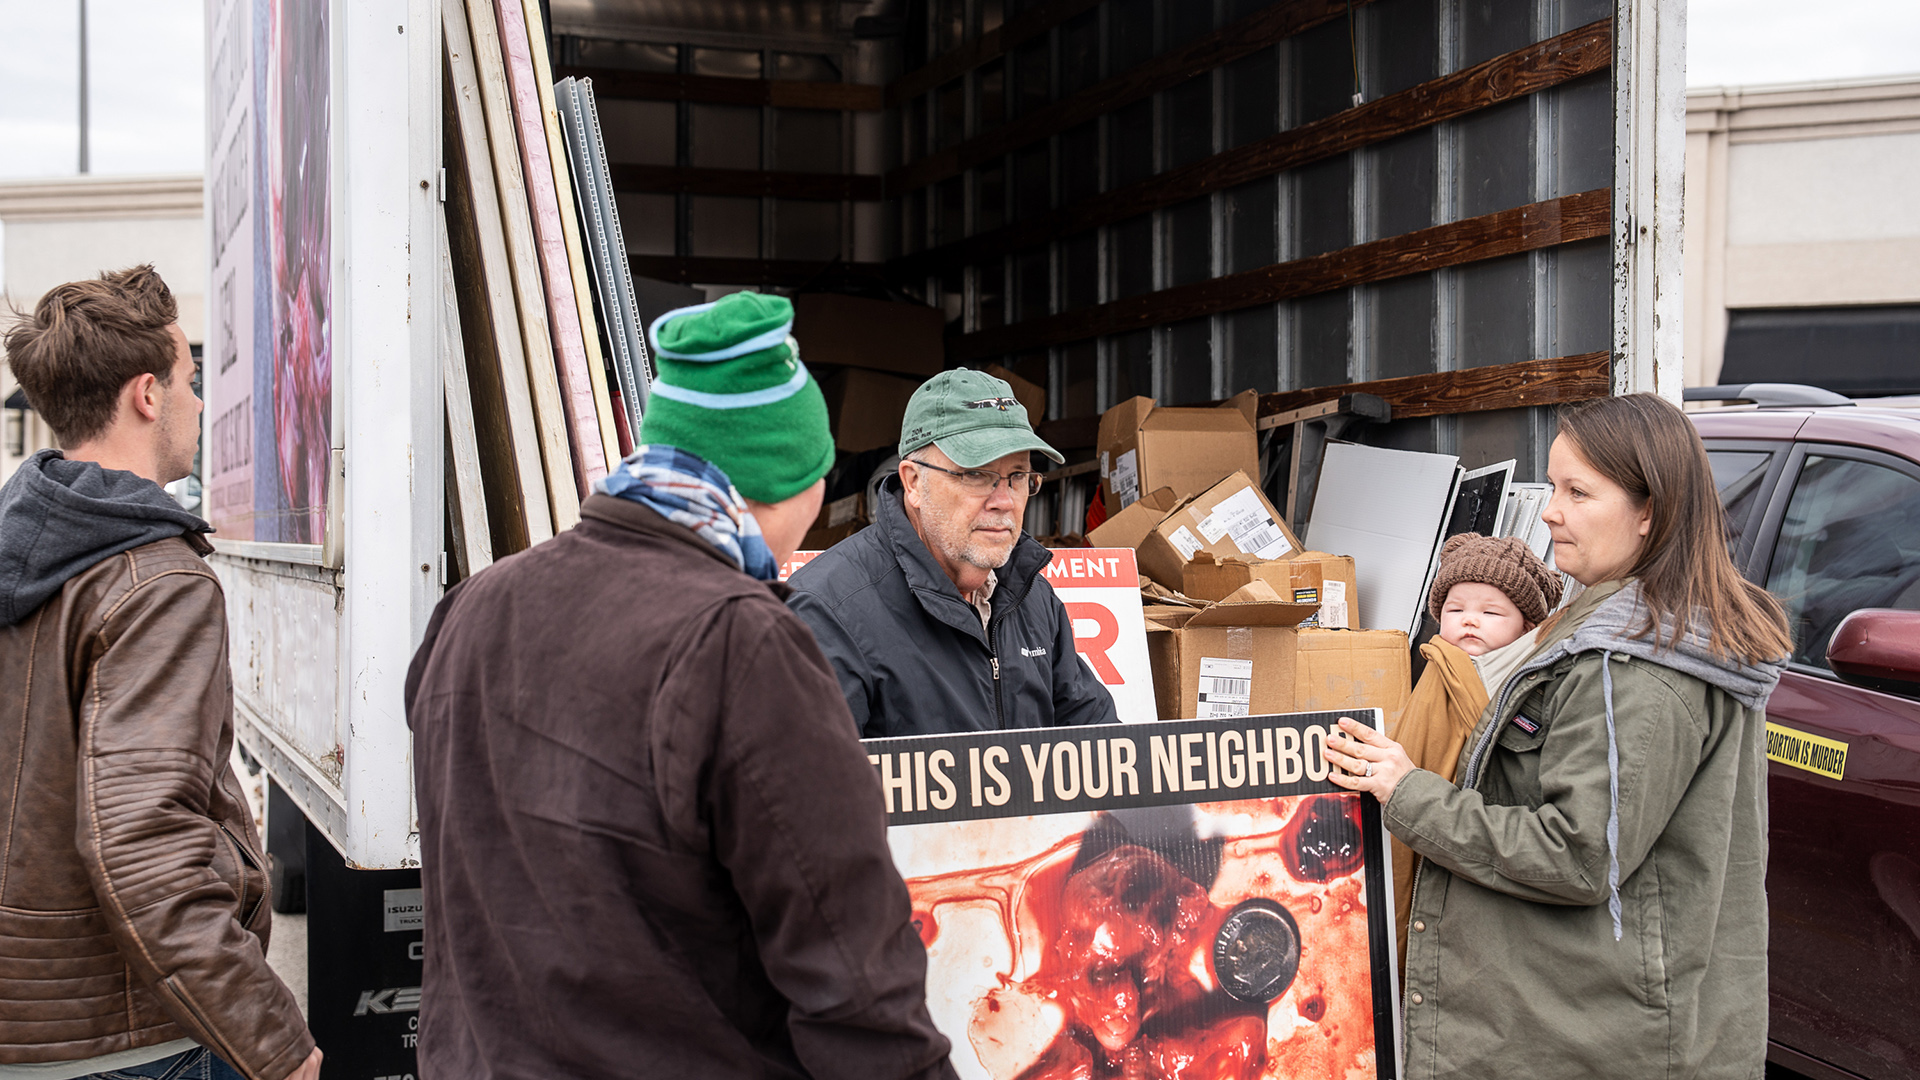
x=1850 y=540
x=1738 y=475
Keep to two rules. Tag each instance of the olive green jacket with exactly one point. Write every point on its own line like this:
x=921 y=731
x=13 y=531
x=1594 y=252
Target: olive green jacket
x=1541 y=949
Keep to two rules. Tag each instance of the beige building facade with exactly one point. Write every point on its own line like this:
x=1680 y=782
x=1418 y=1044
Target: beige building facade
x=1802 y=226
x=75 y=227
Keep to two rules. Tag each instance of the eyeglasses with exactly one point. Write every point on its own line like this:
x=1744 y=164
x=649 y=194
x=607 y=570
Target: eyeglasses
x=981 y=482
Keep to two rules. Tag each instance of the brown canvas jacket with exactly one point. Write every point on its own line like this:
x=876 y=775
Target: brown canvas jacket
x=133 y=901
x=651 y=842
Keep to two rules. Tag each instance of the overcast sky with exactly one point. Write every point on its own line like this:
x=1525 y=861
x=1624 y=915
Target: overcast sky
x=146 y=59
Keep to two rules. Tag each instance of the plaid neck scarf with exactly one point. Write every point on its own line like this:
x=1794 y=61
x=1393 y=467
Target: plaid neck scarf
x=693 y=492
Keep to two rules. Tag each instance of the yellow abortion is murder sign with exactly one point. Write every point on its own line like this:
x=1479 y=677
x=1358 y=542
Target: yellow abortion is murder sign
x=1802 y=750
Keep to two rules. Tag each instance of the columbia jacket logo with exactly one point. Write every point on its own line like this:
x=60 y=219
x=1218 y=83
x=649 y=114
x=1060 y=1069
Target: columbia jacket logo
x=1024 y=651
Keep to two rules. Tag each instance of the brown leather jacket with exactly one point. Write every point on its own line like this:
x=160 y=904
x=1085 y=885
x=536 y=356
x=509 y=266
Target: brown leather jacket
x=133 y=901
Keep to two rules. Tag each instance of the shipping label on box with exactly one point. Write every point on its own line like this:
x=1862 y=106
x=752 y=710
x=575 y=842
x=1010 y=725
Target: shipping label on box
x=1119 y=438
x=1226 y=688
x=1100 y=588
x=1243 y=516
x=1231 y=519
x=1337 y=584
x=1124 y=481
x=1093 y=900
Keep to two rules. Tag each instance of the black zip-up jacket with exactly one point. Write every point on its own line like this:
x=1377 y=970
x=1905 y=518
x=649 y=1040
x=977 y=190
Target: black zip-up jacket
x=910 y=653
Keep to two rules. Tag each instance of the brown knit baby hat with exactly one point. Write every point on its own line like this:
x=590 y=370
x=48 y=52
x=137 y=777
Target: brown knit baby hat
x=1504 y=563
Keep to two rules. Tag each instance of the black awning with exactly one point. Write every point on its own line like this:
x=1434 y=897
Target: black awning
x=17 y=400
x=1857 y=351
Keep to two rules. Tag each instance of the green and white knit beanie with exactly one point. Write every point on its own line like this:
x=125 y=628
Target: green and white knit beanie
x=733 y=391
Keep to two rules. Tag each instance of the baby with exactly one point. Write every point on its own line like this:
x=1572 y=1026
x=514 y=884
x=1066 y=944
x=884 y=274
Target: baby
x=1489 y=596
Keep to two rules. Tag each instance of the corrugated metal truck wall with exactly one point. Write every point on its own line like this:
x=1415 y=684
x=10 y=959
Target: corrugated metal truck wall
x=1182 y=199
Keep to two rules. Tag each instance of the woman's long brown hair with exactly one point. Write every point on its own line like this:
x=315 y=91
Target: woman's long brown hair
x=1645 y=444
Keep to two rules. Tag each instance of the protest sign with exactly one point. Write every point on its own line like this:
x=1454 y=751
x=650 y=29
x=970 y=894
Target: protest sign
x=1188 y=898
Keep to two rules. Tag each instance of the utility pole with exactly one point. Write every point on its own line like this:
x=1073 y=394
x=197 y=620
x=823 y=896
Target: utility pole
x=83 y=87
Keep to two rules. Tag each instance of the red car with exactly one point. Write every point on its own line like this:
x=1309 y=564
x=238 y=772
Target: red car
x=1823 y=509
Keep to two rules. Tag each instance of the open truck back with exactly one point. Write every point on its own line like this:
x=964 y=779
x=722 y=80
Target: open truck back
x=1469 y=208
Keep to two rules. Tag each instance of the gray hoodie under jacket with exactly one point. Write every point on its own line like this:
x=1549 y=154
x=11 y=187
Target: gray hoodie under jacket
x=60 y=517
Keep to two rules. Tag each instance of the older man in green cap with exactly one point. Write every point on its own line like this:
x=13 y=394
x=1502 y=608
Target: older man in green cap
x=936 y=618
x=651 y=845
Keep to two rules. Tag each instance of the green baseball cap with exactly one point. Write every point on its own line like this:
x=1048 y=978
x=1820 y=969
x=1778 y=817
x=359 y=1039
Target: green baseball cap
x=972 y=417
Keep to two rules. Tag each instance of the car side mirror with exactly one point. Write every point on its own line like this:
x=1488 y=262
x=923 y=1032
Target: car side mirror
x=1878 y=648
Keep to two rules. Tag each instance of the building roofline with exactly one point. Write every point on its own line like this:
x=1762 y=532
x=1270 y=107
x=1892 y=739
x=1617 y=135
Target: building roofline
x=83 y=198
x=1841 y=89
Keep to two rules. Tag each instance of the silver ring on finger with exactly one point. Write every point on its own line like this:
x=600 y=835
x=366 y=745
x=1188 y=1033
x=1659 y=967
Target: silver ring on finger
x=1369 y=771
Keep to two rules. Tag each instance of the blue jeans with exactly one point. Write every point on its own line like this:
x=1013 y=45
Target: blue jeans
x=198 y=1063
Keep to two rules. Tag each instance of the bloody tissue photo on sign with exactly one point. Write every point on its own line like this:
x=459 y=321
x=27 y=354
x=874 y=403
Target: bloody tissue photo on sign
x=1228 y=940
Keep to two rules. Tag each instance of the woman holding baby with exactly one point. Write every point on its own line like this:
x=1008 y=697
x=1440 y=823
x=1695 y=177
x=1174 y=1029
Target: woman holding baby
x=1591 y=893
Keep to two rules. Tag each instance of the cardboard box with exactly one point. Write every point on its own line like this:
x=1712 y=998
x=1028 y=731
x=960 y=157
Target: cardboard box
x=1310 y=577
x=1119 y=447
x=1238 y=657
x=1248 y=403
x=1213 y=579
x=1033 y=397
x=1130 y=526
x=1339 y=588
x=1231 y=518
x=1256 y=636
x=866 y=407
x=1352 y=669
x=874 y=334
x=1143 y=448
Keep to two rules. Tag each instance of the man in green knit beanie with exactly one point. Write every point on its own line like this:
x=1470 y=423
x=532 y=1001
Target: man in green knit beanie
x=735 y=444
x=630 y=745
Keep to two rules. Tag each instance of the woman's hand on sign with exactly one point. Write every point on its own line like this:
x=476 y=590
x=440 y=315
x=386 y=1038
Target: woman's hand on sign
x=1366 y=760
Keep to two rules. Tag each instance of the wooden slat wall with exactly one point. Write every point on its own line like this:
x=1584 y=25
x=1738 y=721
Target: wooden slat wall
x=1506 y=232
x=1525 y=71
x=1556 y=381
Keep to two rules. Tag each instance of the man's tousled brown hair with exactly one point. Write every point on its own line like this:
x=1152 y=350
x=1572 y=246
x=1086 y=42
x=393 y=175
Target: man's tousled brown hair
x=1645 y=444
x=84 y=340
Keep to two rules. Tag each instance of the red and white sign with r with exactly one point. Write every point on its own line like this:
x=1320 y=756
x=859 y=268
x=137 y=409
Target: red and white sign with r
x=1101 y=590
